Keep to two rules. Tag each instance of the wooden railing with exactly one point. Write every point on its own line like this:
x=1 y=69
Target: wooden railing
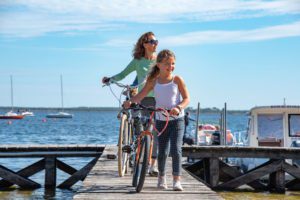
x=213 y=170
x=49 y=162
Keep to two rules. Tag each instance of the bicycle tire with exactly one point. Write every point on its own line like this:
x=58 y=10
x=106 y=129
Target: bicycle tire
x=123 y=140
x=142 y=163
x=129 y=142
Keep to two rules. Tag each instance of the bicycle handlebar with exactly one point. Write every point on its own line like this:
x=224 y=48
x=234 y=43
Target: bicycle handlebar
x=136 y=106
x=121 y=85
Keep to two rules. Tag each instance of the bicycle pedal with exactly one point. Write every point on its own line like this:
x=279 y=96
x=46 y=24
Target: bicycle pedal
x=126 y=149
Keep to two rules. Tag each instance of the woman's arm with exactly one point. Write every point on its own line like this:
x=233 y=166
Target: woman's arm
x=128 y=69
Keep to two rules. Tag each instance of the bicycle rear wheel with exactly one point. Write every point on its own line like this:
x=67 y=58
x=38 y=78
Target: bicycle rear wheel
x=123 y=157
x=141 y=165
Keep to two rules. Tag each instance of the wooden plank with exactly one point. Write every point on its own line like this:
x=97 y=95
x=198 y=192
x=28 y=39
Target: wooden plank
x=65 y=167
x=292 y=170
x=233 y=173
x=50 y=172
x=293 y=185
x=103 y=182
x=12 y=177
x=250 y=176
x=45 y=148
x=38 y=154
x=242 y=152
x=26 y=172
x=79 y=175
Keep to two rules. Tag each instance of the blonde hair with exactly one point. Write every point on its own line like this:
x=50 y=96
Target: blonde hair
x=154 y=71
x=139 y=49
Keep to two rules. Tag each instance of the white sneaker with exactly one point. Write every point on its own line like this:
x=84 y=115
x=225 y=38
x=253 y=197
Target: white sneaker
x=162 y=182
x=153 y=171
x=177 y=186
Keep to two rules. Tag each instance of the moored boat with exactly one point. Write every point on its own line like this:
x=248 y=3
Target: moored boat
x=27 y=113
x=11 y=115
x=59 y=115
x=272 y=126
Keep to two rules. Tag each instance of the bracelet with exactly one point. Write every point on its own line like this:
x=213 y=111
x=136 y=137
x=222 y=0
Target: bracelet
x=179 y=108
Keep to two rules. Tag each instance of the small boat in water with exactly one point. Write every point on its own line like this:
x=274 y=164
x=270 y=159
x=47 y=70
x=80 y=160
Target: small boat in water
x=27 y=113
x=11 y=115
x=59 y=115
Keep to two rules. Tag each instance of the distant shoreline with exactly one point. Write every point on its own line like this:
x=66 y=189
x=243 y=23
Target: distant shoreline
x=83 y=108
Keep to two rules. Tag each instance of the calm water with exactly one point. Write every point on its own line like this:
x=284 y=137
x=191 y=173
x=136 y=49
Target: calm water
x=86 y=128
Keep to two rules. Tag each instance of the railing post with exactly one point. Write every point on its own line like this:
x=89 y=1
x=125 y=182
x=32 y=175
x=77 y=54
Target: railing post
x=197 y=124
x=50 y=172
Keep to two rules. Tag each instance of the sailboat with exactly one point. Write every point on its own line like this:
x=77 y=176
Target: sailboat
x=60 y=114
x=11 y=114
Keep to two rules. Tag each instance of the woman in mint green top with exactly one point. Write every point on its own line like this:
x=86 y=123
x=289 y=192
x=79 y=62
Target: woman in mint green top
x=144 y=58
x=141 y=66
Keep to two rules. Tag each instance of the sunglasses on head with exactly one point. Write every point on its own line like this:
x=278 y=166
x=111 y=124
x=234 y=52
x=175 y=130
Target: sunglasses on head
x=152 y=42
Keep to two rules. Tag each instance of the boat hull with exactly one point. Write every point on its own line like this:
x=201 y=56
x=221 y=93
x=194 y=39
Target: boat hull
x=11 y=117
x=59 y=116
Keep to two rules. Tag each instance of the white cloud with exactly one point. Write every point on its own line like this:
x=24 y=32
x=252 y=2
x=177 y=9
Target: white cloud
x=26 y=18
x=218 y=37
x=222 y=37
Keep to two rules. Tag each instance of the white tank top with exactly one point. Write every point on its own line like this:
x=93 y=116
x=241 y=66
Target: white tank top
x=167 y=96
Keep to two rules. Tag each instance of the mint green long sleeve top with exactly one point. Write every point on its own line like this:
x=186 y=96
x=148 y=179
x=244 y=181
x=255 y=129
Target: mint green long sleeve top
x=142 y=67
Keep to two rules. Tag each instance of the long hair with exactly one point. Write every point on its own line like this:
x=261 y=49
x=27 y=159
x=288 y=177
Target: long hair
x=139 y=50
x=154 y=71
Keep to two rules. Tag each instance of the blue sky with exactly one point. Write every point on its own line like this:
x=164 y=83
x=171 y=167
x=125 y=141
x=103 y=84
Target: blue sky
x=245 y=53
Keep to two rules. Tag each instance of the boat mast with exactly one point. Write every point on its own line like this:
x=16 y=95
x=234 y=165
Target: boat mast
x=61 y=90
x=11 y=93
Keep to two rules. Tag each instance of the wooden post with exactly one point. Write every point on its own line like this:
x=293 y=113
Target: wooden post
x=50 y=172
x=225 y=123
x=197 y=124
x=211 y=171
x=277 y=181
x=214 y=172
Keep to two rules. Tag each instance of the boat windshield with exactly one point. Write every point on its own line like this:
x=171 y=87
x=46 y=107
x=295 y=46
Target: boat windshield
x=270 y=126
x=294 y=125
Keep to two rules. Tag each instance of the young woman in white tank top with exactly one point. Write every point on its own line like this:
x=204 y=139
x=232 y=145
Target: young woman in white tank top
x=170 y=93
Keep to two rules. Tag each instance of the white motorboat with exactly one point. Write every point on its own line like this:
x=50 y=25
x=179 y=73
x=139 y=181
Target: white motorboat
x=272 y=126
x=27 y=113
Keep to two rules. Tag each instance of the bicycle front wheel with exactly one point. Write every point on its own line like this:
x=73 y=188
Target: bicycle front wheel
x=123 y=156
x=141 y=165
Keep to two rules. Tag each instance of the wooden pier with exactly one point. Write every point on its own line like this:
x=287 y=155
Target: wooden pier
x=103 y=182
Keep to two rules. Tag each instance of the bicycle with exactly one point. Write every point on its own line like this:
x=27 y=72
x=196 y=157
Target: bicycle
x=138 y=147
x=126 y=128
x=141 y=149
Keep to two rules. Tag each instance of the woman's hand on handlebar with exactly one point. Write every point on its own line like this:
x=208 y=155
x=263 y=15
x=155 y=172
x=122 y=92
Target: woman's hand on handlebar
x=105 y=79
x=127 y=104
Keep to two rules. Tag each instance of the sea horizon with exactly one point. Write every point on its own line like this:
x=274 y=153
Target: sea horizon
x=91 y=108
